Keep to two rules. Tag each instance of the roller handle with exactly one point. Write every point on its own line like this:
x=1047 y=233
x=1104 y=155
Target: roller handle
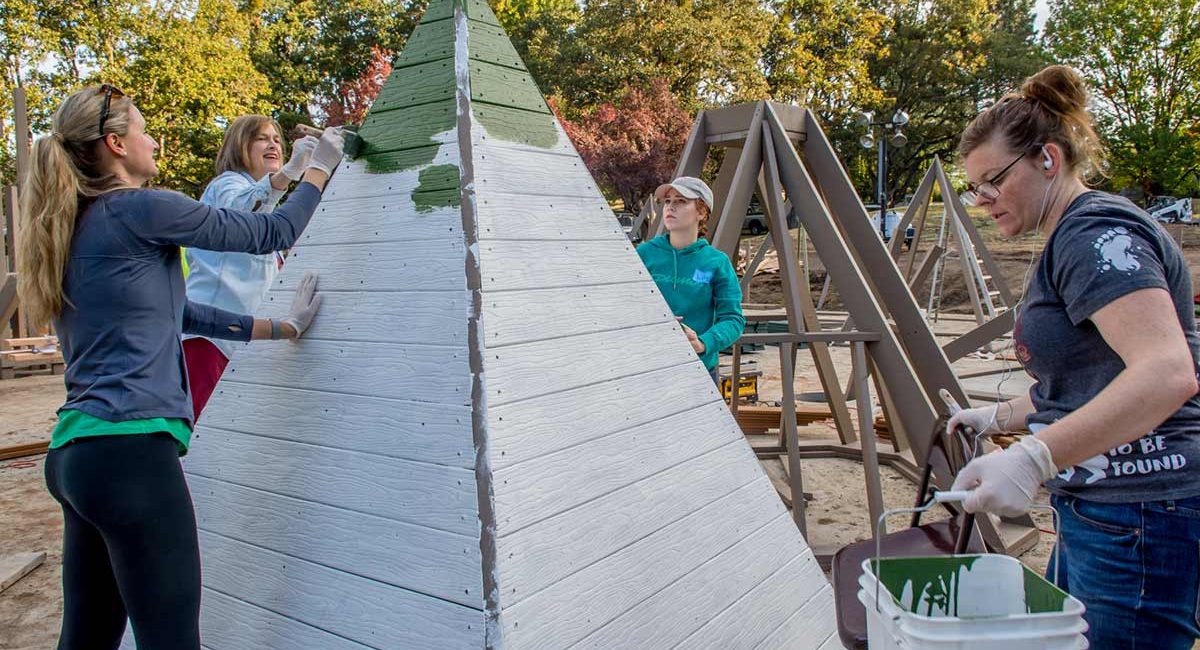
x=947 y=496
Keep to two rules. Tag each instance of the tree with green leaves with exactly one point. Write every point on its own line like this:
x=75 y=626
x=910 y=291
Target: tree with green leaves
x=1143 y=60
x=708 y=50
x=538 y=30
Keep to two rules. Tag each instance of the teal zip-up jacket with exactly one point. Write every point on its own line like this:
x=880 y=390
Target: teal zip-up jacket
x=700 y=285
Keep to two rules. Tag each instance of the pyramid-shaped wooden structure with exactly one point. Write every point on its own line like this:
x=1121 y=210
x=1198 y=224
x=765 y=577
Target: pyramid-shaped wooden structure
x=495 y=434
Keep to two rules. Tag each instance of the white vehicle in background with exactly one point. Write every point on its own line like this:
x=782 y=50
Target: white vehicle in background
x=1169 y=209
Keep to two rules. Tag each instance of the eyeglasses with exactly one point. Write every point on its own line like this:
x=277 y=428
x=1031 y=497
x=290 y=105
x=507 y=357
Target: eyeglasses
x=109 y=90
x=988 y=189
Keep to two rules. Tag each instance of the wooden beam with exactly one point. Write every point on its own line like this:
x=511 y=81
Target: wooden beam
x=23 y=450
x=952 y=201
x=930 y=260
x=690 y=164
x=15 y=567
x=21 y=125
x=745 y=177
x=919 y=414
x=978 y=337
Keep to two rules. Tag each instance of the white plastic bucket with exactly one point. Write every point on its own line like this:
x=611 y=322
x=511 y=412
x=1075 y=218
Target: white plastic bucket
x=976 y=602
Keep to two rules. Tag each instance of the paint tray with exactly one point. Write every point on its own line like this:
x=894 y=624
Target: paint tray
x=981 y=602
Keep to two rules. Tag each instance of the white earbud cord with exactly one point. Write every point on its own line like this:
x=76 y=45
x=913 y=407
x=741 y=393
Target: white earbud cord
x=1007 y=373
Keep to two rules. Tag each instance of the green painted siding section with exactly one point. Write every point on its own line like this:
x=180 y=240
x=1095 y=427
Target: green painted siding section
x=489 y=43
x=438 y=10
x=405 y=128
x=429 y=42
x=517 y=125
x=438 y=187
x=479 y=10
x=498 y=85
x=390 y=161
x=418 y=84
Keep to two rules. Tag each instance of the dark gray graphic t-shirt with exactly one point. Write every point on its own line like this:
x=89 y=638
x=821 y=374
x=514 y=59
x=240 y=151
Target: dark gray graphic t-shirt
x=1102 y=249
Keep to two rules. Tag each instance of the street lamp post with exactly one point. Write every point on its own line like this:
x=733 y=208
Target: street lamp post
x=897 y=139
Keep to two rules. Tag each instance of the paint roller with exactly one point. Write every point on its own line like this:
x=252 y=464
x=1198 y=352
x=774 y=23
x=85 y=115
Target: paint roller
x=353 y=142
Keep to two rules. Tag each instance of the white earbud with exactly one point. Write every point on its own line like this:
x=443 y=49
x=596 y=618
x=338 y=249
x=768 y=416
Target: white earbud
x=1047 y=163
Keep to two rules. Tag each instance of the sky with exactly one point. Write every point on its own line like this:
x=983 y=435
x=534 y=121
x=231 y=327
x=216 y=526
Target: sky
x=1042 y=9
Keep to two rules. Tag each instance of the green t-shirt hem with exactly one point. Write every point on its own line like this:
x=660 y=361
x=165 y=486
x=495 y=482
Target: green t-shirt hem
x=73 y=425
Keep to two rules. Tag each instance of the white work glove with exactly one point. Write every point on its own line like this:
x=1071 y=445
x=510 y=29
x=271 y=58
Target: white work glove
x=328 y=152
x=304 y=305
x=302 y=150
x=1005 y=482
x=982 y=419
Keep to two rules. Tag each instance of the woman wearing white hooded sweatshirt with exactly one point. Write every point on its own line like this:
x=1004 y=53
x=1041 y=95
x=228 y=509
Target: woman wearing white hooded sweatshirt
x=251 y=175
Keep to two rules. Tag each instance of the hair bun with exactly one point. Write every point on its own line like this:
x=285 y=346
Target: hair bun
x=1059 y=88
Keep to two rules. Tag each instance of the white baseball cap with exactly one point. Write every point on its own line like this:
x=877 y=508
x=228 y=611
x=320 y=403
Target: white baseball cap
x=689 y=187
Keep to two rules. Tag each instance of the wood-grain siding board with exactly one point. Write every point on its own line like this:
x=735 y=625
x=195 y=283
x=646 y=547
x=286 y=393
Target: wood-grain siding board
x=813 y=626
x=684 y=608
x=415 y=317
x=527 y=370
x=497 y=84
x=511 y=317
x=376 y=219
x=350 y=606
x=504 y=124
x=544 y=553
x=569 y=610
x=435 y=496
x=227 y=623
x=530 y=171
x=524 y=430
x=786 y=588
x=407 y=127
x=423 y=373
x=431 y=40
x=417 y=84
x=532 y=490
x=489 y=43
x=505 y=215
x=514 y=265
x=422 y=265
x=420 y=559
x=417 y=431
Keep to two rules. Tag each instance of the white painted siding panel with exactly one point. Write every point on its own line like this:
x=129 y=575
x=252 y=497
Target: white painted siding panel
x=536 y=489
x=420 y=431
x=429 y=495
x=481 y=141
x=427 y=265
x=504 y=215
x=508 y=265
x=531 y=369
x=366 y=611
x=352 y=180
x=408 y=372
x=548 y=551
x=378 y=218
x=227 y=623
x=531 y=428
x=675 y=613
x=421 y=559
x=531 y=171
x=572 y=608
x=423 y=317
x=749 y=621
x=521 y=316
x=813 y=626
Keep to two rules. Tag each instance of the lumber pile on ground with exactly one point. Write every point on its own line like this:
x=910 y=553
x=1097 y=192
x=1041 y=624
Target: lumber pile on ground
x=761 y=419
x=30 y=354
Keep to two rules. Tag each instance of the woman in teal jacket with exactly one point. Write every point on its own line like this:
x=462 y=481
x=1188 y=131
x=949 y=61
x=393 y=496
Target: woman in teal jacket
x=697 y=280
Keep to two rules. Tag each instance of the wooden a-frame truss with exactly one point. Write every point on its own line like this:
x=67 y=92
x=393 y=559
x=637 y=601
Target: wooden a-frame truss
x=781 y=153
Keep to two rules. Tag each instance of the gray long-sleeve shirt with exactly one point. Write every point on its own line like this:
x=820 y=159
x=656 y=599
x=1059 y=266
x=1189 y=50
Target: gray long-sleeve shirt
x=127 y=304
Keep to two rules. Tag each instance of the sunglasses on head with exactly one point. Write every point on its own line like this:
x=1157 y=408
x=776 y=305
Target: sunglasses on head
x=109 y=90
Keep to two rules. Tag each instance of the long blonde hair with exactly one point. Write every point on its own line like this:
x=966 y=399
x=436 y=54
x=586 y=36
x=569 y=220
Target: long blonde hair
x=234 y=154
x=64 y=173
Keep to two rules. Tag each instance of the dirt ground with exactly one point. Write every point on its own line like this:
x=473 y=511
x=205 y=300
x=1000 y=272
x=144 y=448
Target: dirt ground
x=30 y=520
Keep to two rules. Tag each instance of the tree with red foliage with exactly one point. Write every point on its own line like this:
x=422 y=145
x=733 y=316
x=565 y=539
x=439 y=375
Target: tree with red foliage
x=632 y=147
x=355 y=97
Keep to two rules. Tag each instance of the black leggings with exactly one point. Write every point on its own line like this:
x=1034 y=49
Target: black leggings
x=129 y=543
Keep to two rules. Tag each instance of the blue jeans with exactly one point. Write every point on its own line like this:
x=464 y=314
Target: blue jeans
x=1136 y=567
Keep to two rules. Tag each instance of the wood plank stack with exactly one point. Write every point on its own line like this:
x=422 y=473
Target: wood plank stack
x=760 y=419
x=30 y=354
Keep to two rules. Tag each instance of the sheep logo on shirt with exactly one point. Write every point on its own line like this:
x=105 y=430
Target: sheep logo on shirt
x=1116 y=251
